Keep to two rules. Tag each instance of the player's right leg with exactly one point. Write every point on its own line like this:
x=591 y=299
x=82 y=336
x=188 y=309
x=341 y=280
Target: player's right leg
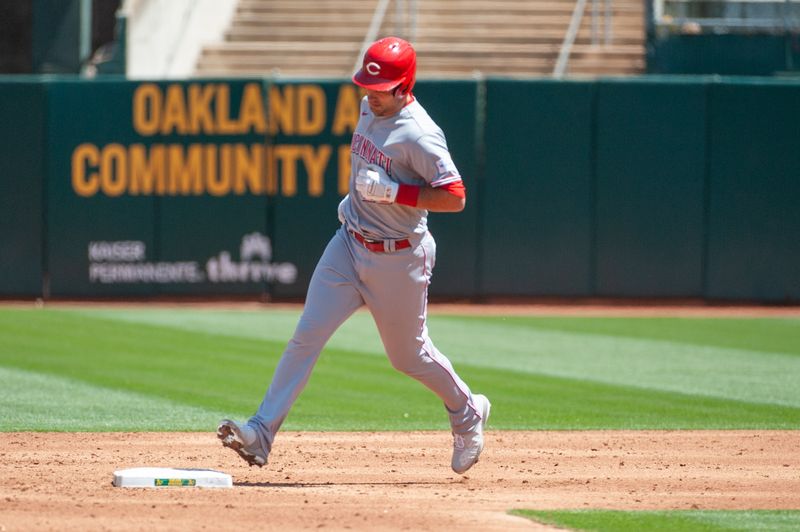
x=332 y=297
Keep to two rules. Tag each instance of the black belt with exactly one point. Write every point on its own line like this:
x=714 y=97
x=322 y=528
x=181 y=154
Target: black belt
x=381 y=246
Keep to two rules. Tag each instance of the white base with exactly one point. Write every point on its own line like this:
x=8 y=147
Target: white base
x=157 y=477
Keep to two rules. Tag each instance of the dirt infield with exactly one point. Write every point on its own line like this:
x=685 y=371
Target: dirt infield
x=390 y=481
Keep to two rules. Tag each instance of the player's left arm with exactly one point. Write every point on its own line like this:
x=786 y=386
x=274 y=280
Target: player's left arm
x=444 y=190
x=447 y=198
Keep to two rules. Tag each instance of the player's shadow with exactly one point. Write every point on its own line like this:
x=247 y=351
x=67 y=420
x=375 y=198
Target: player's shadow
x=399 y=483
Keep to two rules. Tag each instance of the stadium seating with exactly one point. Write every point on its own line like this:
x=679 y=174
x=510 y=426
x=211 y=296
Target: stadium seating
x=454 y=38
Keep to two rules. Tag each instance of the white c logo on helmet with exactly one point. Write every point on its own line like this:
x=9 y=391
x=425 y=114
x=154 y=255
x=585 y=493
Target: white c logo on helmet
x=373 y=68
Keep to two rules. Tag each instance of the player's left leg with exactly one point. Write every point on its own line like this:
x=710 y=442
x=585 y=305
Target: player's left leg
x=397 y=297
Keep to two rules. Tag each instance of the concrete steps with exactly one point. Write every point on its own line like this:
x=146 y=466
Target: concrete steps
x=321 y=38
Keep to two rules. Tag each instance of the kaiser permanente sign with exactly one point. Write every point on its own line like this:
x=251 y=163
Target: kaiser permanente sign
x=189 y=145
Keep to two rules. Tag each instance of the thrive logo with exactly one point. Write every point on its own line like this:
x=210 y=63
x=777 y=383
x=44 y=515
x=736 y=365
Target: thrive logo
x=255 y=245
x=254 y=264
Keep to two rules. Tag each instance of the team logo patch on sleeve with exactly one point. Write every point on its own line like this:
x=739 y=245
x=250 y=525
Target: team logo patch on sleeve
x=445 y=167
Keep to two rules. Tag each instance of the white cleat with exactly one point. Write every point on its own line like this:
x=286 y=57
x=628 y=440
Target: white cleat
x=467 y=447
x=240 y=437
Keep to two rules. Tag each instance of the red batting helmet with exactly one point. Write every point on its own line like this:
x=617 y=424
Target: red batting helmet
x=388 y=64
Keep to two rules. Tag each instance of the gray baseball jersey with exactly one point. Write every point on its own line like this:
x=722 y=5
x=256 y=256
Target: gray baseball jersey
x=412 y=150
x=392 y=281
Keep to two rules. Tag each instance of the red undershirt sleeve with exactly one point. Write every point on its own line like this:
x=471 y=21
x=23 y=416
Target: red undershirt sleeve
x=409 y=194
x=456 y=188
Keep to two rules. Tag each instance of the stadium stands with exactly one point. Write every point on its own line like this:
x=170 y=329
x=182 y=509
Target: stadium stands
x=454 y=38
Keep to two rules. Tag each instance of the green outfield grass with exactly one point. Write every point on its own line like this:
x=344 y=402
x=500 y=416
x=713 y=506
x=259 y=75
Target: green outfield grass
x=182 y=369
x=675 y=521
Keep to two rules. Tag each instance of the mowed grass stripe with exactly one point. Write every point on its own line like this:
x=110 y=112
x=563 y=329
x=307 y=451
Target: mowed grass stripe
x=668 y=521
x=736 y=374
x=272 y=325
x=193 y=368
x=348 y=391
x=32 y=401
x=712 y=357
x=767 y=334
x=337 y=398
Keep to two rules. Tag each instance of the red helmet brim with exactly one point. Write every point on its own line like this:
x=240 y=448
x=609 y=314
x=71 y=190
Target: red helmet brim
x=368 y=81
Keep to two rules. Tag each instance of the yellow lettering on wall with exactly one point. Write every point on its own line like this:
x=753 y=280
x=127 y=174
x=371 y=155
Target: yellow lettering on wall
x=201 y=119
x=114 y=170
x=310 y=109
x=271 y=186
x=248 y=169
x=270 y=171
x=225 y=125
x=316 y=161
x=251 y=111
x=213 y=169
x=281 y=109
x=348 y=105
x=287 y=155
x=148 y=173
x=185 y=175
x=344 y=169
x=84 y=157
x=147 y=109
x=226 y=171
x=174 y=120
x=219 y=183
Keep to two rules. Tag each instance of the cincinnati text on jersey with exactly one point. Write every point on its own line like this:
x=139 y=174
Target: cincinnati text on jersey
x=364 y=148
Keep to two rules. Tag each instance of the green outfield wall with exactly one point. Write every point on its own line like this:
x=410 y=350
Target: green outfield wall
x=637 y=187
x=537 y=199
x=754 y=182
x=23 y=140
x=650 y=148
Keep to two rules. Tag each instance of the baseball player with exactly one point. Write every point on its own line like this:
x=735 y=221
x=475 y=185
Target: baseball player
x=382 y=257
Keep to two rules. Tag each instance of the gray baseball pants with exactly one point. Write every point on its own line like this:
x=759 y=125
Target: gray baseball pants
x=394 y=287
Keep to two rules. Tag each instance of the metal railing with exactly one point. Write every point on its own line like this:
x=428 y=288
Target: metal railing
x=606 y=13
x=405 y=24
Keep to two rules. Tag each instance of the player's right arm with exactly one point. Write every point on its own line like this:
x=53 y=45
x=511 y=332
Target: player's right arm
x=374 y=185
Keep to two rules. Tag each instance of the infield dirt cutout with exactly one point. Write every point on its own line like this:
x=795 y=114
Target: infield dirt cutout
x=390 y=480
